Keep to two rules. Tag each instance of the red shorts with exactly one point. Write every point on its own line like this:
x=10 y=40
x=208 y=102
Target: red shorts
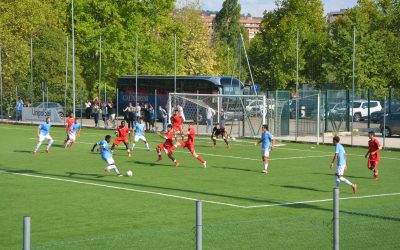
x=168 y=149
x=188 y=145
x=178 y=128
x=120 y=139
x=372 y=163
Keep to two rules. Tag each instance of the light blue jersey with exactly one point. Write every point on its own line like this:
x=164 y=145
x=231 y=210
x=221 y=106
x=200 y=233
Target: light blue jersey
x=266 y=139
x=44 y=128
x=104 y=151
x=341 y=160
x=75 y=127
x=139 y=128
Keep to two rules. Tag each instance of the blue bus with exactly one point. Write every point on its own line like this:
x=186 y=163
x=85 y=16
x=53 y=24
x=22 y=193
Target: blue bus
x=155 y=89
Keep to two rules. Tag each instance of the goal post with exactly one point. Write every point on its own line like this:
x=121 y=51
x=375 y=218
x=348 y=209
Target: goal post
x=241 y=115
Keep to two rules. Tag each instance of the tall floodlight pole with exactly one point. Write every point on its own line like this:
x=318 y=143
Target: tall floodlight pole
x=175 y=63
x=228 y=64
x=100 y=70
x=352 y=95
x=248 y=63
x=1 y=86
x=31 y=68
x=66 y=80
x=136 y=65
x=73 y=59
x=297 y=85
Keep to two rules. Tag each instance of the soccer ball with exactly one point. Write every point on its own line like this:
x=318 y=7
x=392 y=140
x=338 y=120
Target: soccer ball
x=233 y=138
x=129 y=173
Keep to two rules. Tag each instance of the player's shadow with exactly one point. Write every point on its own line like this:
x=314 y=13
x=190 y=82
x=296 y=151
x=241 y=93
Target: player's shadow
x=85 y=174
x=350 y=176
x=151 y=164
x=20 y=171
x=302 y=188
x=58 y=146
x=24 y=151
x=238 y=169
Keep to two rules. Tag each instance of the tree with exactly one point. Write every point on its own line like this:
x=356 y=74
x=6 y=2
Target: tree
x=199 y=57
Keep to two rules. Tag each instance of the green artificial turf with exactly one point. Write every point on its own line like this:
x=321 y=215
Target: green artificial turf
x=74 y=205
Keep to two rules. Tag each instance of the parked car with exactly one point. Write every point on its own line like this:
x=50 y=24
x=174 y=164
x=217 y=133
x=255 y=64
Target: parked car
x=255 y=107
x=359 y=111
x=377 y=116
x=392 y=125
x=57 y=106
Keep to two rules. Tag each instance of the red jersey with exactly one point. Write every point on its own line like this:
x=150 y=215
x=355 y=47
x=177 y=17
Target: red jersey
x=191 y=136
x=176 y=120
x=168 y=142
x=122 y=131
x=373 y=146
x=69 y=123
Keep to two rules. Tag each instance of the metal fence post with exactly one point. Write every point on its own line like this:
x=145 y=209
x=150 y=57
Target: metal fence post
x=369 y=108
x=384 y=125
x=117 y=108
x=318 y=116
x=336 y=218
x=27 y=233
x=199 y=225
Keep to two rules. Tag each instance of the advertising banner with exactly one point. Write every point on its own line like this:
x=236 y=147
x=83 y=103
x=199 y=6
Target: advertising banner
x=40 y=114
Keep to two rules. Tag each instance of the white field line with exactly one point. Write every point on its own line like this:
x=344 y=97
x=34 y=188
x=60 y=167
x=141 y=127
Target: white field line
x=226 y=156
x=194 y=199
x=324 y=200
x=122 y=188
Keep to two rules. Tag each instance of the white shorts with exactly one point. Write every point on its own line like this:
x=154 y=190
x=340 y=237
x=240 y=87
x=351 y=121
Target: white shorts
x=110 y=161
x=265 y=152
x=340 y=169
x=45 y=137
x=71 y=136
x=139 y=137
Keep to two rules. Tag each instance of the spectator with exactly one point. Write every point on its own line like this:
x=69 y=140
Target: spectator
x=104 y=114
x=131 y=115
x=151 y=118
x=96 y=113
x=88 y=106
x=146 y=115
x=180 y=111
x=138 y=112
x=111 y=113
x=210 y=116
x=96 y=101
x=164 y=115
x=222 y=118
x=18 y=107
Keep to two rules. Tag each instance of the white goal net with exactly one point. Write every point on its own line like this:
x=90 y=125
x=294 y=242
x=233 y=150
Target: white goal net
x=241 y=115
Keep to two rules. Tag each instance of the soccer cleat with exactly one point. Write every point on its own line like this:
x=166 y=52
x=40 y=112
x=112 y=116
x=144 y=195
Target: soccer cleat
x=106 y=170
x=159 y=158
x=205 y=164
x=129 y=154
x=47 y=151
x=176 y=164
x=354 y=188
x=34 y=152
x=119 y=175
x=264 y=171
x=375 y=177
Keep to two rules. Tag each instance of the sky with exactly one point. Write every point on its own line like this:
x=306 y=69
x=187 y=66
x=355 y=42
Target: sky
x=257 y=7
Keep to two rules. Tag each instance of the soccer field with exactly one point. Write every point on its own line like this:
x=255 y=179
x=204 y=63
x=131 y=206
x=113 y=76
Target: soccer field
x=75 y=205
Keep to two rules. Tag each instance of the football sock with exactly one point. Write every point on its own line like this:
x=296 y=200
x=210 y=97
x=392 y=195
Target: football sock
x=200 y=159
x=133 y=146
x=265 y=166
x=38 y=146
x=337 y=182
x=147 y=146
x=50 y=143
x=342 y=179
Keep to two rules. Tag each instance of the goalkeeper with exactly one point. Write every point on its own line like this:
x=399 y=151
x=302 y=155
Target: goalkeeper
x=218 y=131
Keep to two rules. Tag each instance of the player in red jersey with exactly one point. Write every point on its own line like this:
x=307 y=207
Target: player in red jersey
x=189 y=144
x=122 y=132
x=373 y=153
x=177 y=122
x=168 y=145
x=68 y=123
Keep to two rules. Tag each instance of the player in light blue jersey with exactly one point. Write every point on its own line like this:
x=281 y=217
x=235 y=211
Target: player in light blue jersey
x=43 y=133
x=267 y=144
x=106 y=155
x=340 y=157
x=73 y=133
x=139 y=134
